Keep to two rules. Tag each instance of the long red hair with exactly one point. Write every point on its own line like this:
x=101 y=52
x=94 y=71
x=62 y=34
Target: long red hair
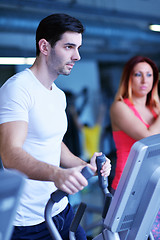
x=125 y=87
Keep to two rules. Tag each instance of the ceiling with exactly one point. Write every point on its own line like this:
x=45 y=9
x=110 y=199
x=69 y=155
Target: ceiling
x=115 y=30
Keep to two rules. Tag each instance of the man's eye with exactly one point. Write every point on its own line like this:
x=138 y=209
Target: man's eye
x=68 y=47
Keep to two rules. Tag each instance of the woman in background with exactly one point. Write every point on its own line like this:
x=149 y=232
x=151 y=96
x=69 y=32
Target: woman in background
x=135 y=112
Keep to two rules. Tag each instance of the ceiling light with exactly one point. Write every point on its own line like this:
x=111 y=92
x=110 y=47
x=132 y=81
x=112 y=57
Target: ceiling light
x=154 y=27
x=16 y=61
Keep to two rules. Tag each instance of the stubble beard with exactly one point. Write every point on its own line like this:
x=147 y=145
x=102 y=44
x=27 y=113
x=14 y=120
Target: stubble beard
x=64 y=71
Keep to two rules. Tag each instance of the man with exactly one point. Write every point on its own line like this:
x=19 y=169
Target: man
x=32 y=125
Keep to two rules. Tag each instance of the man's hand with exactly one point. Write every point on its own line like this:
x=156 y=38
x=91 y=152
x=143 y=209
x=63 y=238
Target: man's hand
x=70 y=180
x=106 y=168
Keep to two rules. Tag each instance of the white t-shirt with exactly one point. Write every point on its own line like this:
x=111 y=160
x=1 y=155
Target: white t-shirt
x=24 y=98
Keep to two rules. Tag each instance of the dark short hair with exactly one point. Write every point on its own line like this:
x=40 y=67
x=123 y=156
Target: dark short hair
x=53 y=26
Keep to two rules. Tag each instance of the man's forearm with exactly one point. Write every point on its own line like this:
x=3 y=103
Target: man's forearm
x=20 y=160
x=68 y=159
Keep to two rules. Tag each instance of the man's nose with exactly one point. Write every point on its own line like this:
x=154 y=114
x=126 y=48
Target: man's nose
x=76 y=55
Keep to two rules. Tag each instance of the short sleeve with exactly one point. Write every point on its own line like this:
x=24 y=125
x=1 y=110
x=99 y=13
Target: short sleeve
x=15 y=103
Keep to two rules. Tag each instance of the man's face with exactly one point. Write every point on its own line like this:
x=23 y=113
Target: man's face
x=65 y=53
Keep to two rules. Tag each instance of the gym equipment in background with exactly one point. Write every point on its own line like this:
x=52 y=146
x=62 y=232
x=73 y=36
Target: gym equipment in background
x=11 y=186
x=136 y=201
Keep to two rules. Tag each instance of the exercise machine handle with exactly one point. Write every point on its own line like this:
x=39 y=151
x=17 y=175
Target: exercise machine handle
x=103 y=181
x=56 y=197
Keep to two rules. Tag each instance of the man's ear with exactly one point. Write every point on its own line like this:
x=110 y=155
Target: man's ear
x=43 y=46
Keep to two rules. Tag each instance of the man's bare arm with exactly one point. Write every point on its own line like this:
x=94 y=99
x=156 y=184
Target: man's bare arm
x=68 y=159
x=12 y=137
